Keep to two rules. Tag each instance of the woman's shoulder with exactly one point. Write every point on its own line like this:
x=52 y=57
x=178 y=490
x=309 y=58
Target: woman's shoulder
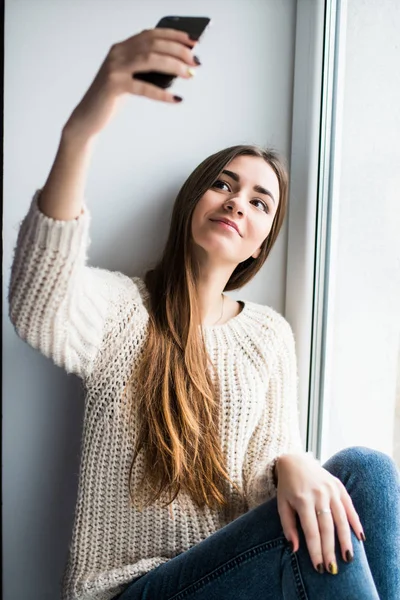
x=140 y=286
x=273 y=326
x=271 y=317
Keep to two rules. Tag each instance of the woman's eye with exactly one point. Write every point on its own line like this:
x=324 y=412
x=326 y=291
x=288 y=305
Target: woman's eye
x=219 y=183
x=264 y=205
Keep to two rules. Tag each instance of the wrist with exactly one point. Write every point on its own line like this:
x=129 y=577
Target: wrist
x=73 y=135
x=277 y=465
x=284 y=459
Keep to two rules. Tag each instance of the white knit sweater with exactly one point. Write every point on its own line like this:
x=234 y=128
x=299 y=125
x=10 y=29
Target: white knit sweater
x=92 y=322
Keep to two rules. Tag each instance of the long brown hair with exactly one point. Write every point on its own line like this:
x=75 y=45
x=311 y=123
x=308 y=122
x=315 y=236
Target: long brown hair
x=176 y=403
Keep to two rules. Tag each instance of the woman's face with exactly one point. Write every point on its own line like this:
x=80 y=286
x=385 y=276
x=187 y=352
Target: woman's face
x=247 y=193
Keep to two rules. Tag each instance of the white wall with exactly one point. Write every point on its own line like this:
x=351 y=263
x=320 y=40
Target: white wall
x=242 y=93
x=364 y=320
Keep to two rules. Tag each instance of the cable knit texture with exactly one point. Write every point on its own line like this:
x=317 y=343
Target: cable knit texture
x=93 y=322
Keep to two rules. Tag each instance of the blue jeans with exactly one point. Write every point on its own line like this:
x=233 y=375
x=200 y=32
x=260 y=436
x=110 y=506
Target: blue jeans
x=250 y=558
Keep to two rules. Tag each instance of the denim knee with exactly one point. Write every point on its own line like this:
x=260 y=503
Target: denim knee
x=365 y=462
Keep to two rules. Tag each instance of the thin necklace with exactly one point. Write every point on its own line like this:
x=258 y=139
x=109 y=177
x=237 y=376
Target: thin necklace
x=222 y=311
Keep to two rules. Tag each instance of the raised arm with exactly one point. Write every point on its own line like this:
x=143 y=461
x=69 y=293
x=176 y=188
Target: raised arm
x=165 y=50
x=57 y=303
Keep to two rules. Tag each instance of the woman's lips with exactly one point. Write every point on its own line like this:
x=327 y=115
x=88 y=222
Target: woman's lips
x=224 y=225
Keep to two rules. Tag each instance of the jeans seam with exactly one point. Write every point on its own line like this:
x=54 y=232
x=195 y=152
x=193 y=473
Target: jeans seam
x=230 y=564
x=298 y=581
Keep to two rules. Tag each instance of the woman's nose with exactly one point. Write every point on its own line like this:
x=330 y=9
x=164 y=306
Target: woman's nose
x=236 y=204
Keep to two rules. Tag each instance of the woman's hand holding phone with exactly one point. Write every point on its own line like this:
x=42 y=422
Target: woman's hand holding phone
x=162 y=50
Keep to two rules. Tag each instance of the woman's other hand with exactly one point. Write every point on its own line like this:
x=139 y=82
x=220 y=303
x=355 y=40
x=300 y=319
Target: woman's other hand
x=304 y=487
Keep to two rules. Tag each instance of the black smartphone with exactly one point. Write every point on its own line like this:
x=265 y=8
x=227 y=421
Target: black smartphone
x=194 y=26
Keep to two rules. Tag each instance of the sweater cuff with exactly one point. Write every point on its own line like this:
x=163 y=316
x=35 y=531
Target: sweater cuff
x=65 y=237
x=261 y=487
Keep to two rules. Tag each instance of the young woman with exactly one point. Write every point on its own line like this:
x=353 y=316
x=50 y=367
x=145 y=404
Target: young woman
x=192 y=396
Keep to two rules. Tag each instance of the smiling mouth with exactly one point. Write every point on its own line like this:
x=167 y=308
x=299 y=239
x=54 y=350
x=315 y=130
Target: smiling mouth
x=225 y=225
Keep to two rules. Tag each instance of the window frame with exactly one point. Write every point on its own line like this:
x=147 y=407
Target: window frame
x=312 y=213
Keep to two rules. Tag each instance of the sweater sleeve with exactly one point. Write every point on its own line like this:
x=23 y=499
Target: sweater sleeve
x=278 y=429
x=58 y=304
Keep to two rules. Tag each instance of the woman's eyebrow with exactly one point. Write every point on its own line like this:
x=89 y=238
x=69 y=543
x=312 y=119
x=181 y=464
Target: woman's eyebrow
x=256 y=188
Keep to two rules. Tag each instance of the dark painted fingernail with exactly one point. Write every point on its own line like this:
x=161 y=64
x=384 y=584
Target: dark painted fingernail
x=320 y=568
x=192 y=37
x=178 y=99
x=196 y=60
x=362 y=536
x=349 y=556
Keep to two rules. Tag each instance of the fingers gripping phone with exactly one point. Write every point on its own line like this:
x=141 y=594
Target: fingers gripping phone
x=194 y=26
